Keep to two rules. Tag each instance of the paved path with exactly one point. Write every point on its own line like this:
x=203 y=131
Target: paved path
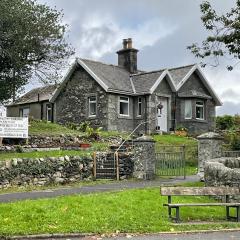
x=192 y=236
x=218 y=235
x=10 y=197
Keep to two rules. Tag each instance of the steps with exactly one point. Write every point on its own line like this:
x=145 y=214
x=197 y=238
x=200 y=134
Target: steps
x=106 y=169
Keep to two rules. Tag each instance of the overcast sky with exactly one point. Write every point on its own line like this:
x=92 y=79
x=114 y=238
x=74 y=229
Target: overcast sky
x=161 y=30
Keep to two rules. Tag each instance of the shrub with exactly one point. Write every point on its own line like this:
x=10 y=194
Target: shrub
x=235 y=142
x=224 y=122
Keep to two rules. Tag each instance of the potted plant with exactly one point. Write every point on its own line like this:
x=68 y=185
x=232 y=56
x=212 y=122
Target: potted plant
x=181 y=131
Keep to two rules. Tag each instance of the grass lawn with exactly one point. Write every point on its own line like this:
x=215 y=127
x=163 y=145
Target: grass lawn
x=136 y=211
x=174 y=140
x=96 y=146
x=50 y=129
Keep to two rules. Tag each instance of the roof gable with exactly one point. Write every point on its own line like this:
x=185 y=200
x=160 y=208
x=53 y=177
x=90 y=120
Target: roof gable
x=197 y=69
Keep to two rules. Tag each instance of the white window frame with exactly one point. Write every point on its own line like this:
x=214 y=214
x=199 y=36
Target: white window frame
x=92 y=102
x=139 y=107
x=124 y=101
x=21 y=112
x=185 y=105
x=203 y=109
x=49 y=107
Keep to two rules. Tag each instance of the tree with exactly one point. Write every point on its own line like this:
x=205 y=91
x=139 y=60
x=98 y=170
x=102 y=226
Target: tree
x=224 y=40
x=32 y=44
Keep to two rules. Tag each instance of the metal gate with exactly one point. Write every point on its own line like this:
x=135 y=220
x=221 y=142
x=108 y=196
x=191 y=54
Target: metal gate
x=170 y=161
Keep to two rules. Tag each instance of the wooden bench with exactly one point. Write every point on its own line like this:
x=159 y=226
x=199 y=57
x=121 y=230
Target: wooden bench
x=201 y=191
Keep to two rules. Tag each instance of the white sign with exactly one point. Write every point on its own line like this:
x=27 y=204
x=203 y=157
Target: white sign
x=3 y=111
x=13 y=127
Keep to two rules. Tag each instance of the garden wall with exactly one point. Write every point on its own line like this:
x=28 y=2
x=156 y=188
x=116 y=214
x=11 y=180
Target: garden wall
x=222 y=172
x=44 y=171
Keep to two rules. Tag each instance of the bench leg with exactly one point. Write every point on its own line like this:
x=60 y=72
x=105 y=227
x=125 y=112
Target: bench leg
x=177 y=215
x=238 y=213
x=227 y=212
x=170 y=212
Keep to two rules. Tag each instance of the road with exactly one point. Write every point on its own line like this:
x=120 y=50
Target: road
x=115 y=186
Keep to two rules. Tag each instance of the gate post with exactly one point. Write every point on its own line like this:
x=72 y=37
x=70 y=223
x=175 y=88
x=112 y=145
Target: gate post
x=209 y=147
x=144 y=158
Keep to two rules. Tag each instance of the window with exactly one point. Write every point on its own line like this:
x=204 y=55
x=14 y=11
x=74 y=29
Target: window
x=124 y=106
x=188 y=109
x=92 y=107
x=200 y=110
x=139 y=107
x=24 y=112
x=49 y=112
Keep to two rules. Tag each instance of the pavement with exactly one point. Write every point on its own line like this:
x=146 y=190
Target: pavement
x=107 y=187
x=189 y=236
x=208 y=235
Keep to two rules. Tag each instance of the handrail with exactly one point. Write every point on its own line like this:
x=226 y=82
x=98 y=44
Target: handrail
x=116 y=152
x=130 y=135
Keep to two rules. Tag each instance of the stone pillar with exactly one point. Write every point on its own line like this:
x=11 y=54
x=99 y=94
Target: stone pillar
x=144 y=158
x=209 y=147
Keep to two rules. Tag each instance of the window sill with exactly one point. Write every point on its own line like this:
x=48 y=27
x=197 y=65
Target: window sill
x=92 y=117
x=124 y=116
x=196 y=120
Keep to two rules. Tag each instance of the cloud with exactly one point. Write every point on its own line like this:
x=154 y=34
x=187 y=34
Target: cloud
x=100 y=35
x=161 y=30
x=229 y=108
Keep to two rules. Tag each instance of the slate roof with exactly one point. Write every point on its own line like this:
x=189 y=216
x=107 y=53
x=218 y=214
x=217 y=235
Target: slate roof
x=36 y=94
x=143 y=82
x=179 y=73
x=119 y=79
x=115 y=77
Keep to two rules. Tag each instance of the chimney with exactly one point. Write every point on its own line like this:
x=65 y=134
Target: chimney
x=127 y=57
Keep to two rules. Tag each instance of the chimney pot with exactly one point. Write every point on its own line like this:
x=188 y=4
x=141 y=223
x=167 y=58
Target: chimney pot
x=125 y=43
x=129 y=41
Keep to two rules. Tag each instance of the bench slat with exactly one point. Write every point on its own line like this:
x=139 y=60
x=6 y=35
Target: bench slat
x=200 y=204
x=199 y=191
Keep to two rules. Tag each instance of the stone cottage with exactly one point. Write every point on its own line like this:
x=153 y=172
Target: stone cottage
x=120 y=97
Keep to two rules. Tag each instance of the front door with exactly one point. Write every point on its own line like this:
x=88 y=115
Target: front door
x=162 y=115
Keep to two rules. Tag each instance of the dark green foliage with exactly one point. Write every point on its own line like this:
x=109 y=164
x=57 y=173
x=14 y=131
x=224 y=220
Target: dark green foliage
x=224 y=122
x=235 y=141
x=32 y=44
x=224 y=38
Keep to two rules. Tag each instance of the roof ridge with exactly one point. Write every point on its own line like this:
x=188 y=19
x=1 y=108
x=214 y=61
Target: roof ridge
x=189 y=65
x=108 y=64
x=144 y=73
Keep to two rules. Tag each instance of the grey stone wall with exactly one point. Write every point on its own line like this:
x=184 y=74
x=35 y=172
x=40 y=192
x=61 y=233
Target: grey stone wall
x=222 y=172
x=209 y=147
x=116 y=122
x=194 y=125
x=144 y=158
x=44 y=171
x=72 y=103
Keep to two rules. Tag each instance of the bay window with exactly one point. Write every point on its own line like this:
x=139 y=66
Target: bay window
x=200 y=110
x=188 y=109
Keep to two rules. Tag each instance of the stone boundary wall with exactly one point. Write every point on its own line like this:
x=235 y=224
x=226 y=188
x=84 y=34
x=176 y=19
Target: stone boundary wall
x=45 y=171
x=222 y=172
